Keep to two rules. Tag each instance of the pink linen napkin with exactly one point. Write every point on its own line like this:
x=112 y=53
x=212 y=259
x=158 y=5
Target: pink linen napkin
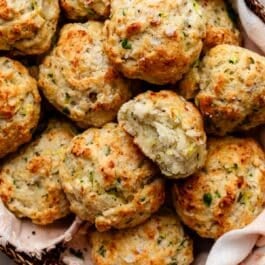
x=253 y=26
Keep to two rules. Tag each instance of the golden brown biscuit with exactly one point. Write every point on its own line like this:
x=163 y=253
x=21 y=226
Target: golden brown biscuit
x=78 y=79
x=220 y=28
x=232 y=89
x=19 y=105
x=83 y=9
x=108 y=181
x=157 y=41
x=159 y=241
x=29 y=180
x=28 y=26
x=228 y=193
x=168 y=129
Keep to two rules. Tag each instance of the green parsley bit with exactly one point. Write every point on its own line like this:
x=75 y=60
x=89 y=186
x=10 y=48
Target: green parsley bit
x=252 y=61
x=217 y=194
x=106 y=150
x=207 y=199
x=196 y=6
x=125 y=44
x=102 y=251
x=233 y=60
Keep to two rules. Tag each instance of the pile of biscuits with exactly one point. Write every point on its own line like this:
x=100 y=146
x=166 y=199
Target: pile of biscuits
x=151 y=108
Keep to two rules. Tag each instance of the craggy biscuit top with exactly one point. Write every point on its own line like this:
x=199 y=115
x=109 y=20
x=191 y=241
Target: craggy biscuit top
x=108 y=180
x=29 y=180
x=159 y=241
x=228 y=193
x=28 y=26
x=19 y=105
x=168 y=129
x=78 y=79
x=156 y=41
x=232 y=89
x=220 y=27
x=80 y=9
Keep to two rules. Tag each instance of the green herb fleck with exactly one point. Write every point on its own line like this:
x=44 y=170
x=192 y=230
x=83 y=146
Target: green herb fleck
x=125 y=44
x=102 y=251
x=91 y=176
x=106 y=150
x=207 y=199
x=160 y=239
x=233 y=60
x=142 y=199
x=185 y=34
x=33 y=5
x=67 y=96
x=232 y=168
x=217 y=194
x=113 y=191
x=252 y=61
x=91 y=13
x=182 y=244
x=196 y=6
x=50 y=75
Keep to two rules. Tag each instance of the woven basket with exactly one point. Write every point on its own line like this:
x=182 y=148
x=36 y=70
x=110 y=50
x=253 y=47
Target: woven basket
x=51 y=258
x=257 y=7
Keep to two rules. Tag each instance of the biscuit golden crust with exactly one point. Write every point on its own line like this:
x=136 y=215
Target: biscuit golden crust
x=156 y=41
x=220 y=29
x=168 y=129
x=228 y=193
x=80 y=9
x=188 y=87
x=78 y=79
x=159 y=241
x=19 y=105
x=28 y=26
x=108 y=181
x=232 y=89
x=29 y=180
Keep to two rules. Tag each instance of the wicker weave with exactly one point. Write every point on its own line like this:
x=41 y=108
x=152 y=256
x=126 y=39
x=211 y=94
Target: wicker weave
x=51 y=258
x=257 y=7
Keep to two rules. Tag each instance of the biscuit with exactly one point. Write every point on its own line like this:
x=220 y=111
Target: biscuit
x=28 y=26
x=82 y=9
x=168 y=129
x=156 y=41
x=19 y=105
x=220 y=28
x=108 y=181
x=159 y=241
x=228 y=193
x=232 y=89
x=78 y=79
x=29 y=179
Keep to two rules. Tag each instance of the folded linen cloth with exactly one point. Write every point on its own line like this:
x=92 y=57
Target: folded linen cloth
x=252 y=21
